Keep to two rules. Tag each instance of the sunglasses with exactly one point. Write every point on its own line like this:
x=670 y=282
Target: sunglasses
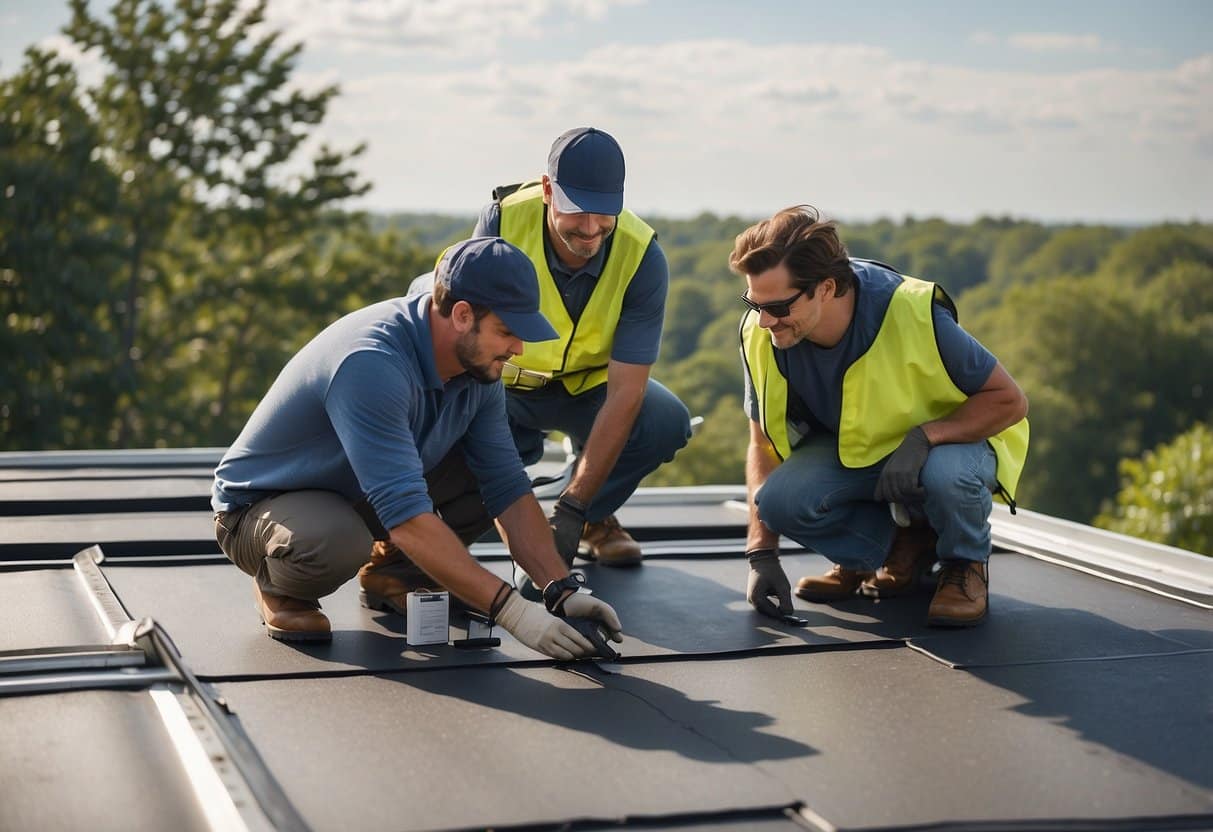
x=776 y=308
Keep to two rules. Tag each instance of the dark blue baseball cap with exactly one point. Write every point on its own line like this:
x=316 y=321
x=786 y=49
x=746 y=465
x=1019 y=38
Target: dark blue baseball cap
x=491 y=272
x=586 y=169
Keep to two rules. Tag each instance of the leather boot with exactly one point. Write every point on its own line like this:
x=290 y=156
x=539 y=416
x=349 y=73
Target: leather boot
x=291 y=619
x=962 y=598
x=608 y=543
x=389 y=577
x=910 y=557
x=835 y=585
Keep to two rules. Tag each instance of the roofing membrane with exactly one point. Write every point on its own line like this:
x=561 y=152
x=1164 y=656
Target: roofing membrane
x=1082 y=702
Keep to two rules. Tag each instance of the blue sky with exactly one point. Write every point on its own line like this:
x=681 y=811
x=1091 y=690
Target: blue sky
x=1082 y=111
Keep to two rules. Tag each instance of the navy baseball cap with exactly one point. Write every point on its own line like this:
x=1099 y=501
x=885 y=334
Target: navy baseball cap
x=586 y=169
x=491 y=272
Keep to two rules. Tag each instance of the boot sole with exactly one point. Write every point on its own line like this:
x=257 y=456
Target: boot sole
x=279 y=634
x=955 y=623
x=380 y=603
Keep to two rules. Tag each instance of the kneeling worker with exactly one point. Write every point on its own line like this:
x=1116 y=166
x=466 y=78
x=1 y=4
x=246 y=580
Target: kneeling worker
x=391 y=421
x=863 y=391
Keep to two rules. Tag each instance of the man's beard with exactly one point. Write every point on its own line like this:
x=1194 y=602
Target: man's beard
x=466 y=353
x=580 y=246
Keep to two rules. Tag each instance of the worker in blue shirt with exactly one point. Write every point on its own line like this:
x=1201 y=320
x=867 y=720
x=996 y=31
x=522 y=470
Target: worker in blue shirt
x=603 y=281
x=879 y=429
x=390 y=424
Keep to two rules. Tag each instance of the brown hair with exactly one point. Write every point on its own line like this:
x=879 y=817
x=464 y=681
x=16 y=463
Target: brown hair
x=445 y=303
x=798 y=238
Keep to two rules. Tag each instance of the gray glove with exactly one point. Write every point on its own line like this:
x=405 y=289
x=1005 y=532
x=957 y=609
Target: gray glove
x=767 y=581
x=567 y=521
x=539 y=630
x=581 y=605
x=898 y=481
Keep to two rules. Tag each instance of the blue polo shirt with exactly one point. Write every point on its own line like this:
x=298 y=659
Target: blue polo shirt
x=815 y=373
x=361 y=411
x=638 y=334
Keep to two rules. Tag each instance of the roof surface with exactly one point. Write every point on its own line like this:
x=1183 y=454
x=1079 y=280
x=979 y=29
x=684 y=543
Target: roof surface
x=1084 y=702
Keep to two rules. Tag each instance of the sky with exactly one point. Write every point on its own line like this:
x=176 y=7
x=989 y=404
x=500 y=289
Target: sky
x=1061 y=112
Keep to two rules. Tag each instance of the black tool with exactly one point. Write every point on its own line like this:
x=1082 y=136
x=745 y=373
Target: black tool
x=593 y=630
x=480 y=633
x=795 y=620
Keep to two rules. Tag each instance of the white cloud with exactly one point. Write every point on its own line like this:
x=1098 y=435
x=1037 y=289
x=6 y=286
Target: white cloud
x=739 y=127
x=444 y=28
x=89 y=67
x=1058 y=42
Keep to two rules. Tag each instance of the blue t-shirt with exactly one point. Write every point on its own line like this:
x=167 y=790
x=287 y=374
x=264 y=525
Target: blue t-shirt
x=638 y=334
x=815 y=373
x=361 y=411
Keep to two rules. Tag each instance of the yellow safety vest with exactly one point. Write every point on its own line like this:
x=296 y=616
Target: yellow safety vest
x=580 y=355
x=899 y=383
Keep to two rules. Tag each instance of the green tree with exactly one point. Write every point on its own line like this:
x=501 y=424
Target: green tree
x=1166 y=495
x=58 y=261
x=194 y=108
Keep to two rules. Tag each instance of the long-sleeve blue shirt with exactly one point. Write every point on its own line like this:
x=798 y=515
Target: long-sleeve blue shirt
x=361 y=411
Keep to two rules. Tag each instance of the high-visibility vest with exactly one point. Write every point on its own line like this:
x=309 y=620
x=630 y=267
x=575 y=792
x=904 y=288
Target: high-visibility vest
x=899 y=383
x=579 y=356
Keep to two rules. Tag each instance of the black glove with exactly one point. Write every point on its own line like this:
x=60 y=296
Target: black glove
x=768 y=581
x=567 y=521
x=899 y=480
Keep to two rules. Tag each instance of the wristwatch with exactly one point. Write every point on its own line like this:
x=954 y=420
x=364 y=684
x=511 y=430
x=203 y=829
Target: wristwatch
x=554 y=593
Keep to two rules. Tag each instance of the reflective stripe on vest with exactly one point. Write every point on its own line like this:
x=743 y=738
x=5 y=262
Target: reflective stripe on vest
x=900 y=382
x=580 y=355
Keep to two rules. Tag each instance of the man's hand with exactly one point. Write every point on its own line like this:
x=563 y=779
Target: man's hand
x=567 y=521
x=899 y=480
x=539 y=630
x=581 y=605
x=768 y=581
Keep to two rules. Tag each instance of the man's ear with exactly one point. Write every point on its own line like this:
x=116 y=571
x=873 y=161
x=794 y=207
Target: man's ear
x=462 y=316
x=547 y=189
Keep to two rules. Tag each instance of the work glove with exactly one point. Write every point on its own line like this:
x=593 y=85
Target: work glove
x=768 y=581
x=539 y=630
x=567 y=521
x=581 y=605
x=898 y=481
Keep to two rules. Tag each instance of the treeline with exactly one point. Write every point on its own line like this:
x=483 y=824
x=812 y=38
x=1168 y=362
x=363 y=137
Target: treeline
x=167 y=243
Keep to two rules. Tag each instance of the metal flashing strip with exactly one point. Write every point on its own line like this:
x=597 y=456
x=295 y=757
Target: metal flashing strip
x=58 y=683
x=109 y=609
x=223 y=797
x=83 y=657
x=136 y=458
x=1165 y=570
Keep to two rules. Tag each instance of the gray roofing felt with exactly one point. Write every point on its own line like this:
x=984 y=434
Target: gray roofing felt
x=1081 y=703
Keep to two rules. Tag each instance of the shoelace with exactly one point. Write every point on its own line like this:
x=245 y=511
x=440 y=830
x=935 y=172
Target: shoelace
x=954 y=573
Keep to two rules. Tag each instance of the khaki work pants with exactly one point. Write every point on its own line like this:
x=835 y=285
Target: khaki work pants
x=306 y=544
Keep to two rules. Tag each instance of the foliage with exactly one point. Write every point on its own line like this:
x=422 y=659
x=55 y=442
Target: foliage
x=197 y=118
x=1166 y=495
x=58 y=261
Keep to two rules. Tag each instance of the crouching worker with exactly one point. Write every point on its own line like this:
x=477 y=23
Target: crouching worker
x=864 y=393
x=390 y=424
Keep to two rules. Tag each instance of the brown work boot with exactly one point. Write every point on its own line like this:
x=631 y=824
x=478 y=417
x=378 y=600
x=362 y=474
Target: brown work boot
x=389 y=577
x=910 y=556
x=291 y=619
x=835 y=585
x=607 y=543
x=963 y=595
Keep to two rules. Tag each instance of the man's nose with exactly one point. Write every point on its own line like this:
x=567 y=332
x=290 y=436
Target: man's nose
x=766 y=320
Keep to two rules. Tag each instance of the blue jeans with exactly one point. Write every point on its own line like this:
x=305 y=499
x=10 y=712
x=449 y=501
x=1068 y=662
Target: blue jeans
x=662 y=427
x=823 y=506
